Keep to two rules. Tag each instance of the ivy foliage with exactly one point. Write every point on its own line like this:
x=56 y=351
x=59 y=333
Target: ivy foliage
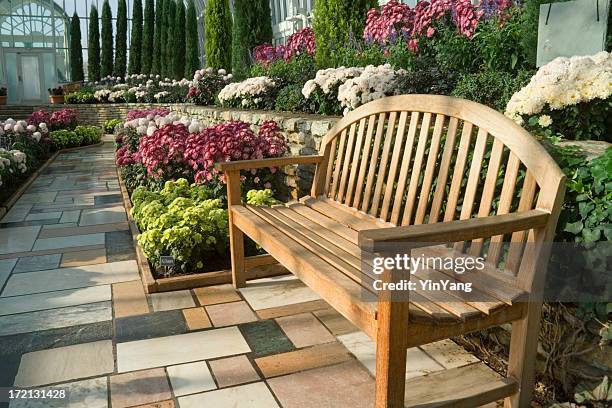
x=218 y=28
x=121 y=40
x=76 y=50
x=93 y=46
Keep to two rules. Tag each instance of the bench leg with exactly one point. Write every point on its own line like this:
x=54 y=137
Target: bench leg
x=523 y=353
x=391 y=344
x=237 y=251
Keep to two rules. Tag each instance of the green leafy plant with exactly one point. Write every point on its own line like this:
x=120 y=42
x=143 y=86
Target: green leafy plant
x=296 y=71
x=109 y=125
x=88 y=134
x=63 y=139
x=218 y=27
x=252 y=27
x=600 y=396
x=290 y=99
x=81 y=96
x=491 y=88
x=262 y=198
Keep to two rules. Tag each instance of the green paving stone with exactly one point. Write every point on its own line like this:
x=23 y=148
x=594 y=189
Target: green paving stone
x=37 y=263
x=265 y=337
x=119 y=246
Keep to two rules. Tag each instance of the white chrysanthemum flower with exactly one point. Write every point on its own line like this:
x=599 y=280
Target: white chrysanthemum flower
x=545 y=121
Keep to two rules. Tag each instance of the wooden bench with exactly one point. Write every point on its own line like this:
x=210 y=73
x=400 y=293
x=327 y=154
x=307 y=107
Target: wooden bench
x=419 y=169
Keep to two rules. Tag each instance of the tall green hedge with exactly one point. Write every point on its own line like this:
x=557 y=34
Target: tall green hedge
x=136 y=39
x=121 y=40
x=252 y=26
x=93 y=46
x=335 y=21
x=192 y=42
x=148 y=33
x=218 y=29
x=179 y=41
x=157 y=39
x=106 y=64
x=76 y=49
x=167 y=69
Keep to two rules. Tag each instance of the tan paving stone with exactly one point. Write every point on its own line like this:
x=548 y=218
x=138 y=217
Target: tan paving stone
x=228 y=314
x=212 y=295
x=335 y=322
x=304 y=330
x=196 y=318
x=303 y=359
x=80 y=258
x=449 y=354
x=233 y=371
x=129 y=299
x=139 y=387
x=161 y=404
x=293 y=309
x=178 y=299
x=255 y=395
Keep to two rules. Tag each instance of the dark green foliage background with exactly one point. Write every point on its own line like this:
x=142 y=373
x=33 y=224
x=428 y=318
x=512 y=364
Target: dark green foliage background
x=93 y=45
x=218 y=28
x=76 y=51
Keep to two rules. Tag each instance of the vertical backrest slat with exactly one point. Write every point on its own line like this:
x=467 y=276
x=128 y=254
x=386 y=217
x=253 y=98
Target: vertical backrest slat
x=432 y=160
x=393 y=168
x=455 y=188
x=518 y=238
x=380 y=130
x=405 y=168
x=505 y=202
x=416 y=168
x=384 y=160
x=347 y=162
x=447 y=156
x=356 y=160
x=330 y=164
x=338 y=165
x=367 y=146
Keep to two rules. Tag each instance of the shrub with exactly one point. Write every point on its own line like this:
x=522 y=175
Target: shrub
x=76 y=50
x=206 y=85
x=178 y=46
x=261 y=198
x=136 y=39
x=106 y=63
x=218 y=27
x=12 y=165
x=252 y=26
x=147 y=38
x=63 y=139
x=81 y=97
x=93 y=51
x=426 y=81
x=121 y=40
x=252 y=93
x=192 y=38
x=296 y=71
x=290 y=99
x=111 y=124
x=168 y=65
x=88 y=134
x=322 y=91
x=373 y=83
x=491 y=88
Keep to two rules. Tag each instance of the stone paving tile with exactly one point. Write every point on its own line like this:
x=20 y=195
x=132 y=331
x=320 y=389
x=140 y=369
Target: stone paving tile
x=49 y=251
x=44 y=216
x=37 y=263
x=34 y=223
x=66 y=242
x=160 y=404
x=179 y=299
x=341 y=385
x=71 y=278
x=129 y=299
x=150 y=325
x=183 y=348
x=255 y=395
x=304 y=330
x=361 y=346
x=50 y=227
x=92 y=393
x=335 y=322
x=233 y=371
x=196 y=318
x=228 y=314
x=80 y=258
x=265 y=337
x=191 y=378
x=212 y=295
x=65 y=364
x=449 y=354
x=40 y=197
x=278 y=291
x=17 y=213
x=303 y=359
x=119 y=246
x=289 y=310
x=6 y=266
x=48 y=231
x=109 y=199
x=70 y=216
x=54 y=300
x=55 y=318
x=18 y=239
x=139 y=387
x=102 y=216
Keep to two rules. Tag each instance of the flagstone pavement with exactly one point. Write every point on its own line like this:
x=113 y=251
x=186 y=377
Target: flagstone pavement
x=73 y=314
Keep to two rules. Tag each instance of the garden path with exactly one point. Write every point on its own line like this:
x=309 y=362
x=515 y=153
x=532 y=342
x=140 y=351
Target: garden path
x=73 y=314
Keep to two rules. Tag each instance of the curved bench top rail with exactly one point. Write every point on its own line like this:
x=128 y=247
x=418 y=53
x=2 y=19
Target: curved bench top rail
x=530 y=152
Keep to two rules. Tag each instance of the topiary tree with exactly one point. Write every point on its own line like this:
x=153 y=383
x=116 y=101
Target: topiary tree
x=178 y=62
x=93 y=46
x=121 y=40
x=218 y=34
x=192 y=42
x=157 y=40
x=148 y=33
x=252 y=27
x=106 y=64
x=136 y=39
x=167 y=69
x=335 y=21
x=76 y=49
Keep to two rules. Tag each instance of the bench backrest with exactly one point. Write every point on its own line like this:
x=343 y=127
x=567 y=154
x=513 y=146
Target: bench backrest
x=415 y=159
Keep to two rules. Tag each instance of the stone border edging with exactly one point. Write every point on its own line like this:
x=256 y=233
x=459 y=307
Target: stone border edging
x=259 y=266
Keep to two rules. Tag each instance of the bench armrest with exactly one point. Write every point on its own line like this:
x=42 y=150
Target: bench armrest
x=454 y=231
x=272 y=162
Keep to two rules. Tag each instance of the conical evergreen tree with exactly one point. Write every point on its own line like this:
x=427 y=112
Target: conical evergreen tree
x=192 y=42
x=76 y=49
x=179 y=41
x=170 y=29
x=157 y=40
x=218 y=28
x=93 y=46
x=164 y=37
x=106 y=63
x=148 y=33
x=136 y=39
x=252 y=26
x=121 y=40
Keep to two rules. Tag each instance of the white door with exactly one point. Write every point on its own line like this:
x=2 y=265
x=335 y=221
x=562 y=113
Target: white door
x=28 y=75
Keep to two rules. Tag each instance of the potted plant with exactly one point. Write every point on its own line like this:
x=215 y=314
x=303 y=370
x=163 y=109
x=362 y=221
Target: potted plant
x=3 y=95
x=56 y=95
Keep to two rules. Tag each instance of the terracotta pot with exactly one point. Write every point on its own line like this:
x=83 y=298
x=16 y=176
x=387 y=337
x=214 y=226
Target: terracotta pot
x=56 y=99
x=3 y=100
